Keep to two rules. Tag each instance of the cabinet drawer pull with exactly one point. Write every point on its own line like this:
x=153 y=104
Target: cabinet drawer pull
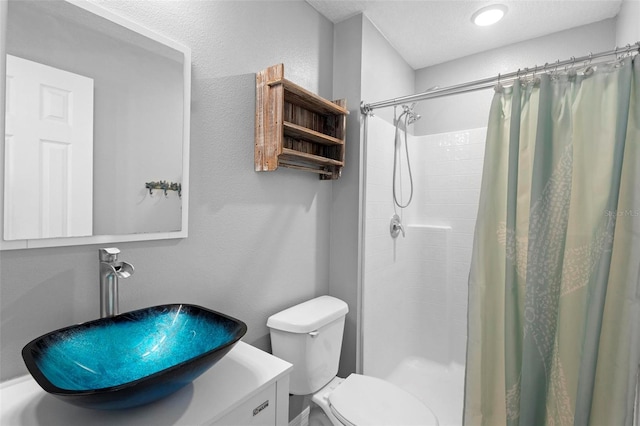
x=260 y=407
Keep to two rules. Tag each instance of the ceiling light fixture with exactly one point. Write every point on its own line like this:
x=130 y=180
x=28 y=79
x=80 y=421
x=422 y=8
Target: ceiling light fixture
x=489 y=15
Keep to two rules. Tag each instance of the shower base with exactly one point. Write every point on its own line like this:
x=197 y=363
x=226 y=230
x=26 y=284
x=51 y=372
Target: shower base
x=440 y=387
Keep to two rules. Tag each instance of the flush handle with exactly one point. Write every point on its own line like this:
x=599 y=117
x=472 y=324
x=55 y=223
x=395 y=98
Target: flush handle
x=314 y=333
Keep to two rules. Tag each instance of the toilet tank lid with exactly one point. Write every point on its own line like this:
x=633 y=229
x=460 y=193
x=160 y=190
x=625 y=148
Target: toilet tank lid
x=308 y=316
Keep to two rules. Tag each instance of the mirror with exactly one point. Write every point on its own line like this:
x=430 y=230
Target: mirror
x=96 y=119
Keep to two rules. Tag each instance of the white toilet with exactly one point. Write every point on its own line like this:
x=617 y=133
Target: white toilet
x=309 y=336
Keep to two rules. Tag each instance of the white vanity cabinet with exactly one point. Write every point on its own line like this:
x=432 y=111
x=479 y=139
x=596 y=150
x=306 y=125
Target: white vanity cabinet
x=246 y=387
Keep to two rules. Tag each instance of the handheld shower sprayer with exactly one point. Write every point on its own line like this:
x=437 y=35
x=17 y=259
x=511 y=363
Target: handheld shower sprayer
x=410 y=117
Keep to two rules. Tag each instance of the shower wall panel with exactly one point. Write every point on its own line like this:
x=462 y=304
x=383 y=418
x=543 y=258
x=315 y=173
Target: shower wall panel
x=385 y=340
x=448 y=181
x=415 y=287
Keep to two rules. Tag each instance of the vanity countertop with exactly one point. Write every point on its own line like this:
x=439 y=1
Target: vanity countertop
x=242 y=373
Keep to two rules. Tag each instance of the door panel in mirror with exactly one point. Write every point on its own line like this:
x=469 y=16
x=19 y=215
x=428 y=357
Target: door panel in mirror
x=48 y=152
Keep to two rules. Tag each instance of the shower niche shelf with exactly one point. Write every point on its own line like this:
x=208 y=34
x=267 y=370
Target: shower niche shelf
x=296 y=128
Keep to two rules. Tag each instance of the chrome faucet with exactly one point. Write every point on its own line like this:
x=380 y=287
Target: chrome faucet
x=110 y=271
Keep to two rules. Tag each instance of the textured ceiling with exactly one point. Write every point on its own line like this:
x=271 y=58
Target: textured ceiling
x=429 y=32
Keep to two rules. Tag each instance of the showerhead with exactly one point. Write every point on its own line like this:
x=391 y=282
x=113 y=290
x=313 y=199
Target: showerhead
x=413 y=117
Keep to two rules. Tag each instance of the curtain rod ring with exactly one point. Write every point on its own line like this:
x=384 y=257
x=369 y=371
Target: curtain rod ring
x=498 y=87
x=573 y=61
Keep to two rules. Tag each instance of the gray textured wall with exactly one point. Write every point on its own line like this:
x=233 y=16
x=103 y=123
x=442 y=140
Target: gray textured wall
x=259 y=242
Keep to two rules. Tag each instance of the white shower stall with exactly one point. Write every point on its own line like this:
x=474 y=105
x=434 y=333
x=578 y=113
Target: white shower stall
x=414 y=287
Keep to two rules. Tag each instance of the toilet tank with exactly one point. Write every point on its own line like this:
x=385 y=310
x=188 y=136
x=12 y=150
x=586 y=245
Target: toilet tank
x=309 y=336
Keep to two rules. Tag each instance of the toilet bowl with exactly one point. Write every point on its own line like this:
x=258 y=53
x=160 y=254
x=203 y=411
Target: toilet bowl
x=309 y=336
x=365 y=400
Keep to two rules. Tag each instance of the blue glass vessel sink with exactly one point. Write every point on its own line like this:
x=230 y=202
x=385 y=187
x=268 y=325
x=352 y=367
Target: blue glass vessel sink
x=133 y=358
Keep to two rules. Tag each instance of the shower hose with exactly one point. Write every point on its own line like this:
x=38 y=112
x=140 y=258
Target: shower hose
x=397 y=148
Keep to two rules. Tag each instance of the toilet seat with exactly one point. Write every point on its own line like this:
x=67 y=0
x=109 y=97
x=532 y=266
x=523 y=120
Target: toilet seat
x=363 y=400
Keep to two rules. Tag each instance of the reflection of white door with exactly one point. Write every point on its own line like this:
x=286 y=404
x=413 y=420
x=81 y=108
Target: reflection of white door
x=48 y=152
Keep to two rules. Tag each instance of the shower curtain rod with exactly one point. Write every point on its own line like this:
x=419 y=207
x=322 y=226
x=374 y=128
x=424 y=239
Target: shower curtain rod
x=487 y=83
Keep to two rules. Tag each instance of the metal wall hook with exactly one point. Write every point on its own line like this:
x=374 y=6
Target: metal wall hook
x=164 y=186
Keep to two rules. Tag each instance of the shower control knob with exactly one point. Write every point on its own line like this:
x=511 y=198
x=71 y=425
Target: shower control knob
x=395 y=227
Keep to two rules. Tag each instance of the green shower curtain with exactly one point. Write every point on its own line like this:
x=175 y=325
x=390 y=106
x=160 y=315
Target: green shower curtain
x=554 y=287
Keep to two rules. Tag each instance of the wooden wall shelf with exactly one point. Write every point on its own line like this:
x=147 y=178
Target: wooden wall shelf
x=296 y=128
